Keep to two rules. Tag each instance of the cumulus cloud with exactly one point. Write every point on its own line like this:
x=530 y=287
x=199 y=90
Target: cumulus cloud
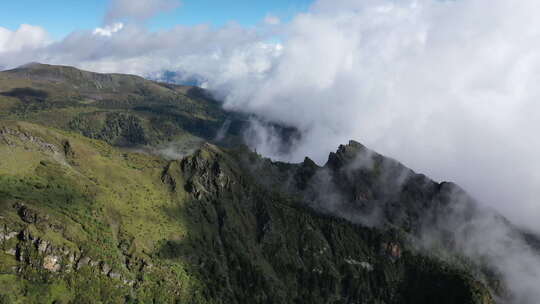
x=131 y=48
x=137 y=10
x=109 y=29
x=24 y=38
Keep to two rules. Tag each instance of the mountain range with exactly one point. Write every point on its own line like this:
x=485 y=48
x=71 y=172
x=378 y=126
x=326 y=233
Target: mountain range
x=119 y=189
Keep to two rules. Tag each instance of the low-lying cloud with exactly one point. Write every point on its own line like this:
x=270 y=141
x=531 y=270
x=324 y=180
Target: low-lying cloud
x=447 y=87
x=442 y=220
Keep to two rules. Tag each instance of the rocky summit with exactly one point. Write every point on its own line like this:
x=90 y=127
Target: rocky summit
x=117 y=189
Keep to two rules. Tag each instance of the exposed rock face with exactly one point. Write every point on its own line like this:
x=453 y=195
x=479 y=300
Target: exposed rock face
x=115 y=275
x=6 y=235
x=105 y=268
x=393 y=250
x=27 y=215
x=8 y=134
x=42 y=246
x=51 y=263
x=307 y=256
x=83 y=262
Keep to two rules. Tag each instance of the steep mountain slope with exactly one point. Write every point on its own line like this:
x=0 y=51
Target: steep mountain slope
x=437 y=219
x=86 y=223
x=205 y=220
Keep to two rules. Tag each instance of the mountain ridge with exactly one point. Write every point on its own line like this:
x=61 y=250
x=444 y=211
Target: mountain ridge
x=192 y=219
x=221 y=192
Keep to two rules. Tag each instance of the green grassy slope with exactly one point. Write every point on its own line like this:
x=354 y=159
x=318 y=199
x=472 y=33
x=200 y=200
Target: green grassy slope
x=86 y=200
x=84 y=222
x=120 y=109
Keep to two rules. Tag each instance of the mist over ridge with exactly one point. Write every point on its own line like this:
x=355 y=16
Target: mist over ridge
x=448 y=89
x=170 y=128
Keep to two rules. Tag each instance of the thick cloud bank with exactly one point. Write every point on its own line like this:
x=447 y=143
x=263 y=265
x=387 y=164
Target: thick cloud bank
x=447 y=87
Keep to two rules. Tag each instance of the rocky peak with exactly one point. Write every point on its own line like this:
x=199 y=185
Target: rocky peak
x=208 y=172
x=345 y=154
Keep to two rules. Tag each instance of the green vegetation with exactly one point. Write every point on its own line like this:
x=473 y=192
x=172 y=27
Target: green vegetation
x=119 y=109
x=84 y=221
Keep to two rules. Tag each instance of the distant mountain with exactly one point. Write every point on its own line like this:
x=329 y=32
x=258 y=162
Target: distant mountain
x=120 y=109
x=177 y=77
x=117 y=189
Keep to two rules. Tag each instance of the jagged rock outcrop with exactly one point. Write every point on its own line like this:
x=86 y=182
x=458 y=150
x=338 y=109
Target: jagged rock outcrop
x=295 y=254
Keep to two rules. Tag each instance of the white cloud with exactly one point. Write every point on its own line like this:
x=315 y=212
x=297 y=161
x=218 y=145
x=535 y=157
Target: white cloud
x=25 y=37
x=108 y=30
x=134 y=49
x=137 y=10
x=448 y=87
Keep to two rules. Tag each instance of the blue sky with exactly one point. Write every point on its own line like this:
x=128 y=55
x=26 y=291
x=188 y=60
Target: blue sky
x=61 y=17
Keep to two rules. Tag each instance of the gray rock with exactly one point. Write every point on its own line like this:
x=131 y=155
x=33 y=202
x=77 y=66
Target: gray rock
x=8 y=236
x=83 y=262
x=105 y=268
x=71 y=258
x=51 y=263
x=42 y=245
x=26 y=235
x=114 y=275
